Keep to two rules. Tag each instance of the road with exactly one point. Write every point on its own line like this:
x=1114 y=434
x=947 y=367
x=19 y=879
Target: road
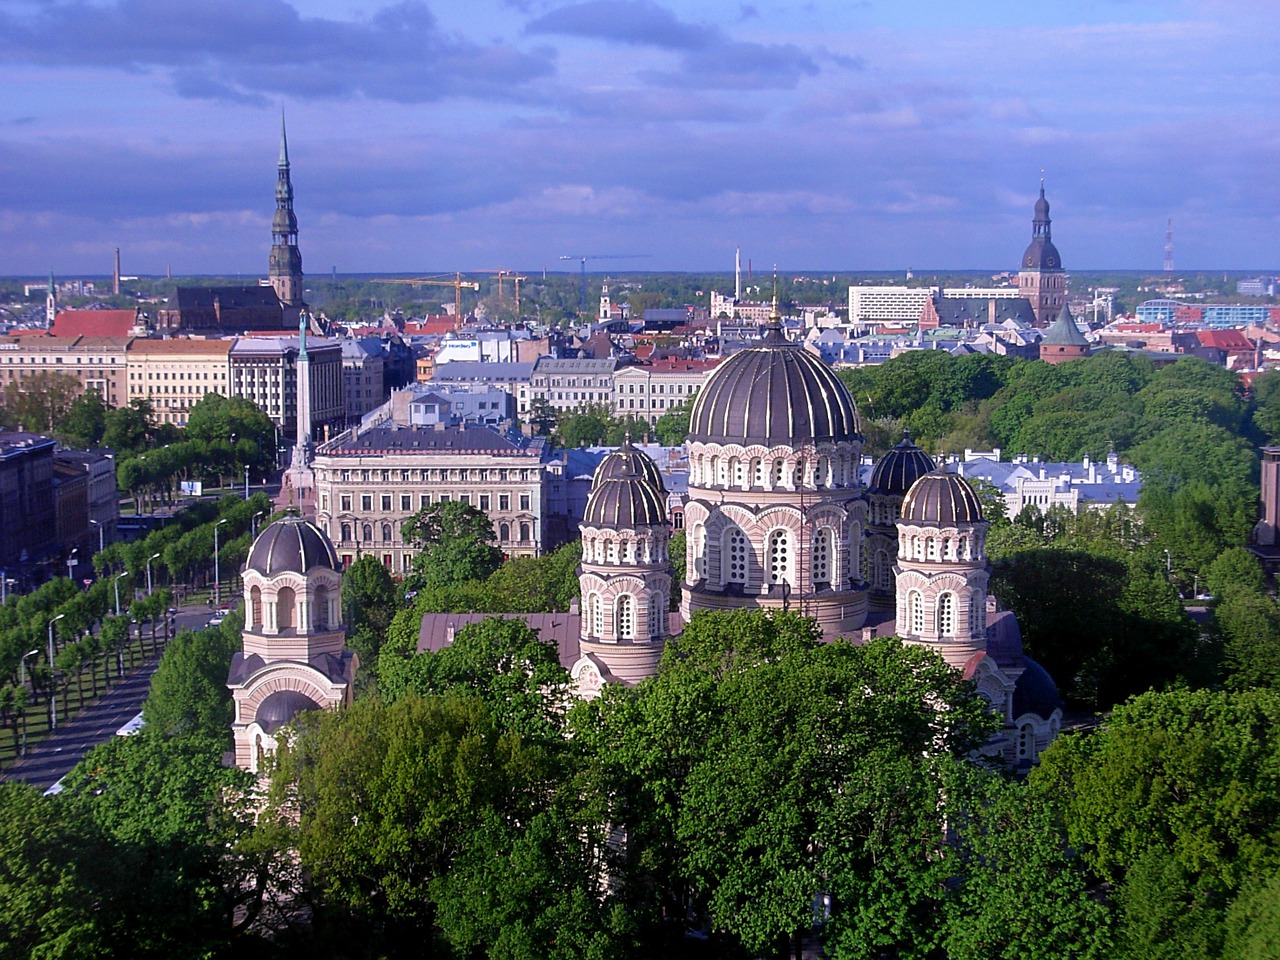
x=49 y=760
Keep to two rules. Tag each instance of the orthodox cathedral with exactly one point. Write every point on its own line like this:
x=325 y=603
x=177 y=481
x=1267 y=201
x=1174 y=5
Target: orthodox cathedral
x=777 y=519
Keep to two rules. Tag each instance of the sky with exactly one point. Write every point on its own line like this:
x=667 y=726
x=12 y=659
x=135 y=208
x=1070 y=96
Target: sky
x=437 y=135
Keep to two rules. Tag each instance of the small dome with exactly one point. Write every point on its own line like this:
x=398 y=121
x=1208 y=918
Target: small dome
x=941 y=498
x=773 y=393
x=898 y=469
x=281 y=707
x=625 y=503
x=1035 y=692
x=625 y=462
x=292 y=545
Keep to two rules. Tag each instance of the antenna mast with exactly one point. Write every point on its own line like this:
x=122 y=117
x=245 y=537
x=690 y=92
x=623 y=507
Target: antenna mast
x=1168 y=246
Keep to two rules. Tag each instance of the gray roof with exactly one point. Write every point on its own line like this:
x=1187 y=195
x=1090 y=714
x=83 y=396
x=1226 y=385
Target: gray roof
x=413 y=438
x=281 y=707
x=941 y=498
x=458 y=371
x=898 y=469
x=1064 y=332
x=773 y=392
x=292 y=544
x=625 y=502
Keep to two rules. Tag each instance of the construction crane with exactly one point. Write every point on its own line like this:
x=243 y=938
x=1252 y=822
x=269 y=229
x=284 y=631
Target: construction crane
x=457 y=283
x=582 y=260
x=513 y=275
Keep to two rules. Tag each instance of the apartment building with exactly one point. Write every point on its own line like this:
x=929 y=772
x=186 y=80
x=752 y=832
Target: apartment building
x=96 y=363
x=649 y=390
x=176 y=374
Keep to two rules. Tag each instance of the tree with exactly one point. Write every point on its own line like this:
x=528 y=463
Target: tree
x=1175 y=801
x=585 y=426
x=456 y=543
x=85 y=421
x=672 y=427
x=517 y=674
x=189 y=696
x=368 y=604
x=40 y=402
x=127 y=429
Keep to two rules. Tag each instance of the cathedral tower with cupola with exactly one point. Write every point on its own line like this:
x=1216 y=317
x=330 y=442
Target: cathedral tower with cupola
x=625 y=575
x=1041 y=278
x=892 y=477
x=775 y=515
x=295 y=655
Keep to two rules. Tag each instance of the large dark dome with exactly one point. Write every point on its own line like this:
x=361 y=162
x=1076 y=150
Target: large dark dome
x=773 y=393
x=898 y=469
x=943 y=499
x=292 y=545
x=1035 y=692
x=625 y=503
x=281 y=707
x=627 y=461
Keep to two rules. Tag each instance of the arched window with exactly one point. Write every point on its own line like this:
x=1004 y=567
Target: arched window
x=915 y=612
x=255 y=609
x=780 y=557
x=346 y=532
x=931 y=549
x=716 y=471
x=1026 y=742
x=696 y=555
x=285 y=601
x=739 y=472
x=977 y=612
x=946 y=613
x=504 y=532
x=882 y=570
x=320 y=609
x=597 y=615
x=625 y=618
x=368 y=533
x=657 y=613
x=821 y=560
x=524 y=533
x=758 y=472
x=386 y=533
x=733 y=556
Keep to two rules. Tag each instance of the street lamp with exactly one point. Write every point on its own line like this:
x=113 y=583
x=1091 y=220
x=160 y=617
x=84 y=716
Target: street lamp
x=1168 y=562
x=217 y=578
x=22 y=682
x=260 y=513
x=53 y=701
x=246 y=481
x=116 y=584
x=71 y=562
x=101 y=536
x=154 y=556
x=4 y=587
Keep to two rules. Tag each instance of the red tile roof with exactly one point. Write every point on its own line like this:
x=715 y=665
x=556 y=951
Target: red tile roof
x=1232 y=341
x=94 y=323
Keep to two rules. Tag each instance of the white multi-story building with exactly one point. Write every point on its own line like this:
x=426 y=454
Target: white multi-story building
x=903 y=305
x=648 y=391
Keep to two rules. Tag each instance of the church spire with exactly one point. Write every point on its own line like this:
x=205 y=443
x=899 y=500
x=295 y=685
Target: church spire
x=285 y=262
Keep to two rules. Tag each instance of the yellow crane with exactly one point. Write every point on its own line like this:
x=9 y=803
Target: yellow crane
x=502 y=273
x=457 y=283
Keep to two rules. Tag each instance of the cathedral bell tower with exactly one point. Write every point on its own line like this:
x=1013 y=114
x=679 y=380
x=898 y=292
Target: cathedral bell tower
x=1040 y=275
x=285 y=263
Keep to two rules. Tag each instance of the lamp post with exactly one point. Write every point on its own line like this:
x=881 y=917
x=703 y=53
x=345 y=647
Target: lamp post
x=53 y=699
x=22 y=682
x=1168 y=562
x=217 y=573
x=116 y=584
x=102 y=545
x=71 y=563
x=260 y=513
x=4 y=587
x=246 y=481
x=154 y=556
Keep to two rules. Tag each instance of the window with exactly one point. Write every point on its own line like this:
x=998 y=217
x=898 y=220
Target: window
x=977 y=613
x=386 y=503
x=464 y=498
x=504 y=501
x=626 y=618
x=947 y=614
x=367 y=530
x=366 y=502
x=386 y=533
x=524 y=533
x=255 y=609
x=779 y=557
x=406 y=502
x=504 y=532
x=346 y=532
x=597 y=615
x=915 y=612
x=734 y=567
x=424 y=500
x=524 y=501
x=821 y=560
x=484 y=502
x=656 y=614
x=284 y=608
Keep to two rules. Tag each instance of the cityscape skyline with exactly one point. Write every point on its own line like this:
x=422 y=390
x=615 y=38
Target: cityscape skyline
x=869 y=138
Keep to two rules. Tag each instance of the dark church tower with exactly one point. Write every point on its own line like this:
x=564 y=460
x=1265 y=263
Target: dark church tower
x=285 y=265
x=1040 y=276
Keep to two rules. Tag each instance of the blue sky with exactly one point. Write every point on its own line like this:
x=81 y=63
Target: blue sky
x=832 y=134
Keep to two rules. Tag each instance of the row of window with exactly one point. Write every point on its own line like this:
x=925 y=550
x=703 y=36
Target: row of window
x=737 y=557
x=388 y=532
x=92 y=361
x=723 y=471
x=944 y=614
x=457 y=473
x=624 y=616
x=483 y=501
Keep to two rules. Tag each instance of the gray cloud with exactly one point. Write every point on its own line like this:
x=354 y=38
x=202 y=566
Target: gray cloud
x=241 y=50
x=626 y=21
